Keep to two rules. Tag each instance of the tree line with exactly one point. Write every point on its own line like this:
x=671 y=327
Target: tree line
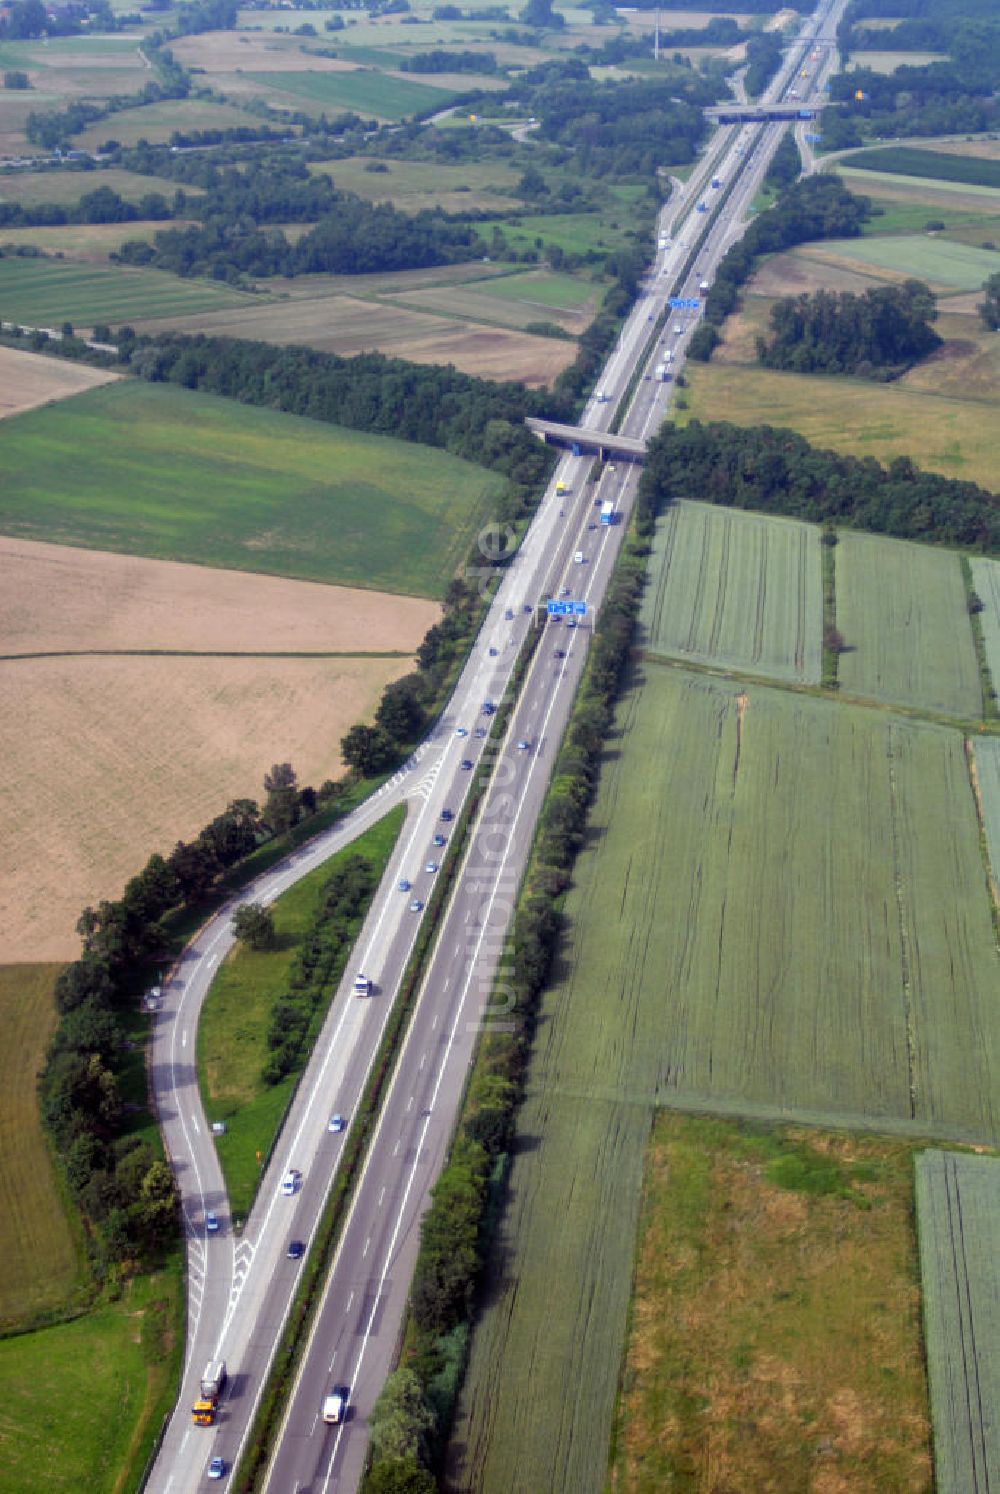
x=410 y=1421
x=102 y=205
x=817 y=207
x=879 y=334
x=777 y=471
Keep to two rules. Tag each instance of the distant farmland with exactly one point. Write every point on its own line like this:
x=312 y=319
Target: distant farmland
x=902 y=611
x=150 y=469
x=987 y=754
x=741 y=937
x=47 y=292
x=736 y=589
x=958 y=1221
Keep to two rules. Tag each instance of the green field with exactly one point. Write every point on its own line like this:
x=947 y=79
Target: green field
x=958 y=1220
x=740 y=937
x=232 y=1031
x=43 y=1270
x=413 y=186
x=580 y=233
x=775 y=1287
x=736 y=589
x=46 y=292
x=82 y=1402
x=938 y=260
x=905 y=160
x=367 y=92
x=987 y=757
x=157 y=122
x=150 y=469
x=902 y=611
x=986 y=584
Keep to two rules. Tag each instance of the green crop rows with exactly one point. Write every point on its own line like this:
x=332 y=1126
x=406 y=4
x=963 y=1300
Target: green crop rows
x=47 y=292
x=935 y=259
x=986 y=582
x=742 y=937
x=150 y=469
x=904 y=160
x=958 y=1223
x=902 y=611
x=736 y=589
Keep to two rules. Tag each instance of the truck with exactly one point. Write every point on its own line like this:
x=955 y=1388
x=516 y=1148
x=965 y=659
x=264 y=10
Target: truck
x=668 y=356
x=607 y=512
x=211 y=1386
x=662 y=373
x=704 y=288
x=362 y=985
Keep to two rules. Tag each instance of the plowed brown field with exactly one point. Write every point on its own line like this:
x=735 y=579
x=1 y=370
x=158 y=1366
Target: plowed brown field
x=27 y=381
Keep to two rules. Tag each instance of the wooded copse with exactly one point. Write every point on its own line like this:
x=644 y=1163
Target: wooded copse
x=878 y=335
x=779 y=472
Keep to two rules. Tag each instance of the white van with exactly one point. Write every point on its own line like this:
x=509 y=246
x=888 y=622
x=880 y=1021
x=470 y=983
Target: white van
x=578 y=557
x=290 y=1182
x=335 y=1405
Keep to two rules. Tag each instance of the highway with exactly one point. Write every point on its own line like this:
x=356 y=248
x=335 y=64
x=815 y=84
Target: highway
x=241 y=1281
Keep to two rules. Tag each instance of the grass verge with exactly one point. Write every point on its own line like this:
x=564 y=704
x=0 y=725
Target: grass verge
x=232 y=1031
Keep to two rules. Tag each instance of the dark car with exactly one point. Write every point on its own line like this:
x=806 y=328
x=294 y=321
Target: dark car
x=447 y=814
x=439 y=840
x=296 y=1250
x=560 y=653
x=466 y=764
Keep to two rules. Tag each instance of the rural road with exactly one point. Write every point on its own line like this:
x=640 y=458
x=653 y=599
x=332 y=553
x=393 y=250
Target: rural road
x=241 y=1283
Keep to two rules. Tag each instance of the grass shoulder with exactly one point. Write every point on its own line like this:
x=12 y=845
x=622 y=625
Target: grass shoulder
x=233 y=1044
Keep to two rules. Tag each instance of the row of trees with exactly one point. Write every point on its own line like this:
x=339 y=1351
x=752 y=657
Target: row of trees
x=778 y=471
x=411 y=1419
x=103 y=205
x=879 y=334
x=817 y=207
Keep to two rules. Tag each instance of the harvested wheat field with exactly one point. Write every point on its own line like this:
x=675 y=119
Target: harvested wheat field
x=110 y=759
x=57 y=599
x=27 y=381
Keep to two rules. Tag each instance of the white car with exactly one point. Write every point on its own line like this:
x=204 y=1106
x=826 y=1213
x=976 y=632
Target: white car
x=290 y=1182
x=335 y=1124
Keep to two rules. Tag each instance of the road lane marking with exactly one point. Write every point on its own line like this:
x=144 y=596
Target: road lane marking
x=381 y=1196
x=365 y=1251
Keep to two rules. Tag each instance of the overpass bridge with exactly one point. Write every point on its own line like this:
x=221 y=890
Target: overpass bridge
x=587 y=442
x=765 y=113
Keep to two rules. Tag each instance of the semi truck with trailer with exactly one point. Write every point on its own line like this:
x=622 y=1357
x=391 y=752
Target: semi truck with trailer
x=213 y=1383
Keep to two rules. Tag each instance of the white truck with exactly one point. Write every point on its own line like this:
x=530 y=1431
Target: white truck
x=335 y=1405
x=662 y=373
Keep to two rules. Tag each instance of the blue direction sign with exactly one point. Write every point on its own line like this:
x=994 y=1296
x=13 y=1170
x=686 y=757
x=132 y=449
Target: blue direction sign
x=566 y=609
x=580 y=609
x=814 y=139
x=684 y=303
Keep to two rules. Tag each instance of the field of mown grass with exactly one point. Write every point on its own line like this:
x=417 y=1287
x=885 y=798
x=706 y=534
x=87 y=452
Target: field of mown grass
x=413 y=186
x=736 y=589
x=232 y=1031
x=775 y=1290
x=953 y=436
x=986 y=584
x=80 y=1403
x=157 y=122
x=958 y=1219
x=902 y=611
x=740 y=938
x=150 y=469
x=938 y=260
x=32 y=187
x=48 y=292
x=43 y=1270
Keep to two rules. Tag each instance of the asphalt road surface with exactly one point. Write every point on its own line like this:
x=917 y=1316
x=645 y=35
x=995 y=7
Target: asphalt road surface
x=241 y=1280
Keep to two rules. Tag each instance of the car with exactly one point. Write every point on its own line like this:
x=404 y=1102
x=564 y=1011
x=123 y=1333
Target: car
x=488 y=708
x=591 y=526
x=564 y=591
x=560 y=653
x=296 y=1250
x=527 y=608
x=439 y=840
x=212 y=1223
x=492 y=653
x=480 y=731
x=466 y=764
x=461 y=731
x=217 y=1468
x=335 y=1405
x=571 y=622
x=447 y=814
x=335 y=1124
x=416 y=906
x=404 y=884
x=524 y=746
x=509 y=614
x=290 y=1182
x=431 y=866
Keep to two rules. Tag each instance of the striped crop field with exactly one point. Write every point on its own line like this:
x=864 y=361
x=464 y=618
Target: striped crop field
x=736 y=589
x=987 y=758
x=986 y=584
x=958 y=1223
x=781 y=912
x=902 y=611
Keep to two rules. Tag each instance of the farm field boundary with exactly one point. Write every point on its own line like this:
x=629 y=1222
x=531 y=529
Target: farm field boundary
x=986 y=584
x=936 y=165
x=986 y=751
x=958 y=1215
